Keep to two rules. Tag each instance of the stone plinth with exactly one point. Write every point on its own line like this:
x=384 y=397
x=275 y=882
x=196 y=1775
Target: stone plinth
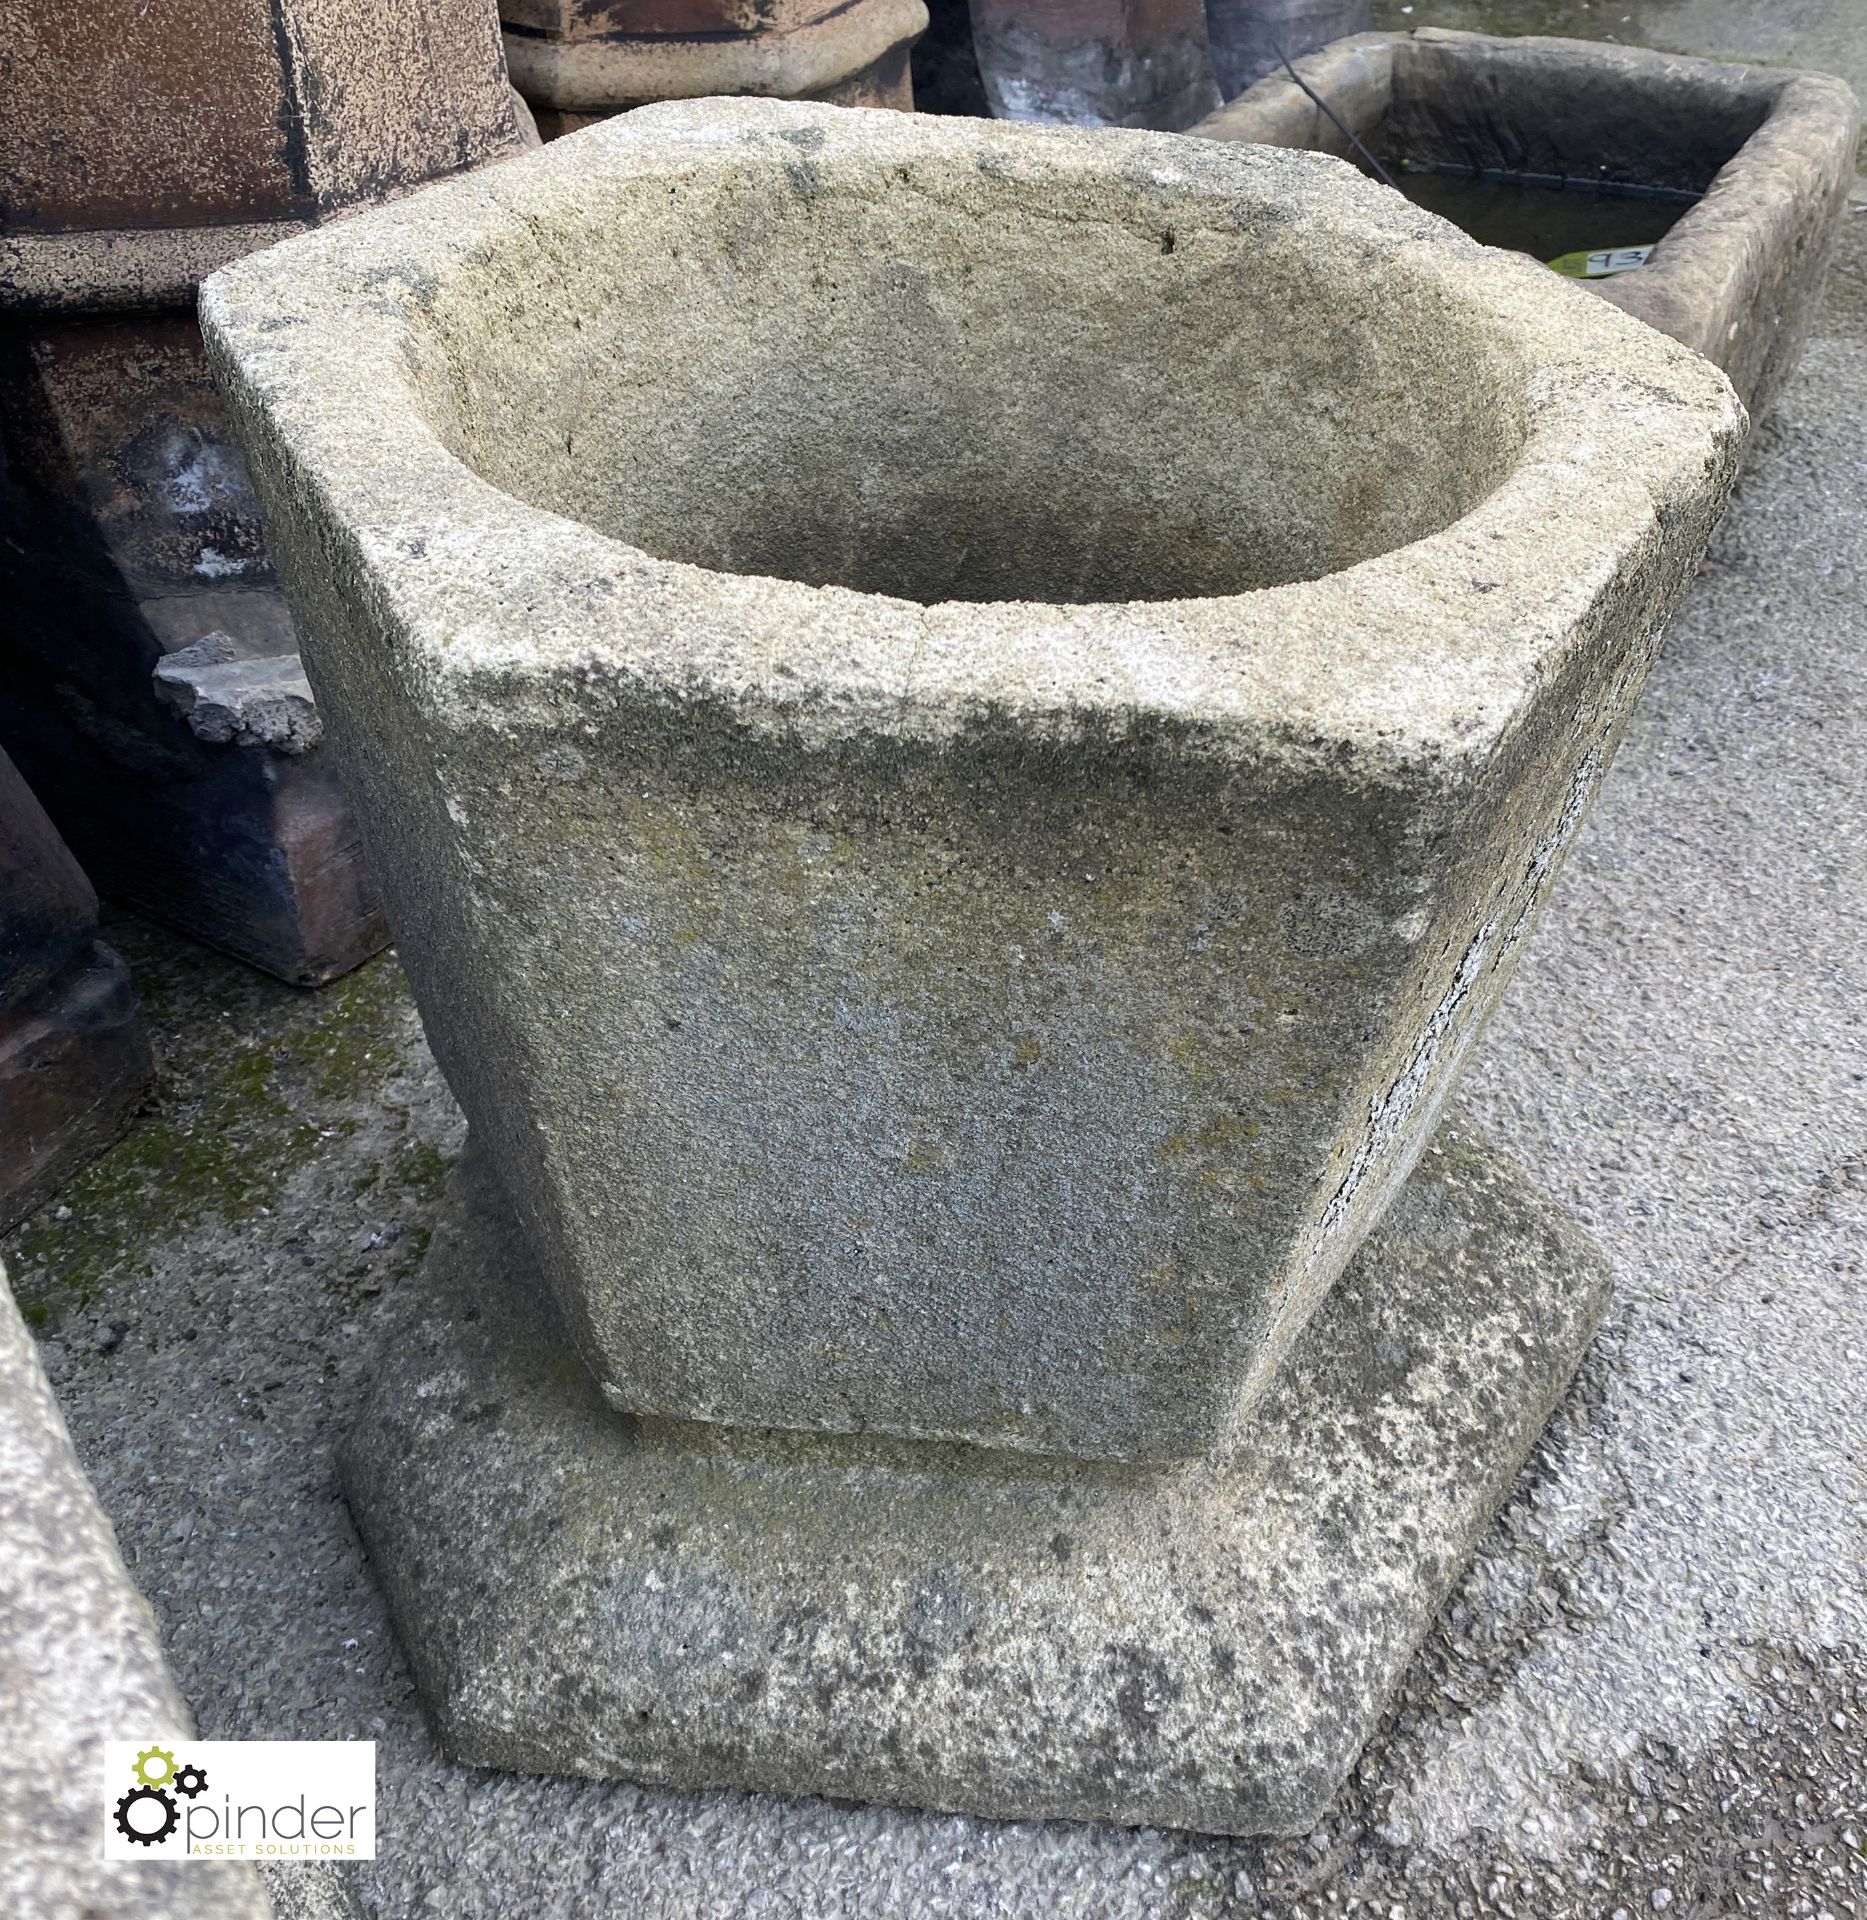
x=1204 y=1646
x=1772 y=152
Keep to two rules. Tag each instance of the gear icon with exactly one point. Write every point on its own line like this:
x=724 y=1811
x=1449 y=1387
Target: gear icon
x=189 y=1781
x=134 y=1798
x=154 y=1767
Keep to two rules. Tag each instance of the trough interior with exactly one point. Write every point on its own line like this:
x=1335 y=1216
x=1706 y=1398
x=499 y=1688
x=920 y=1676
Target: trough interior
x=1547 y=151
x=1507 y=111
x=939 y=381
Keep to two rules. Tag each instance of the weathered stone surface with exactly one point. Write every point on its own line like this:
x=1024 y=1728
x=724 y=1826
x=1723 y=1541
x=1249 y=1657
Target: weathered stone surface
x=574 y=73
x=1095 y=63
x=1206 y=1646
x=79 y=1665
x=1738 y=277
x=951 y=883
x=250 y=703
x=141 y=146
x=73 y=1055
x=309 y=1890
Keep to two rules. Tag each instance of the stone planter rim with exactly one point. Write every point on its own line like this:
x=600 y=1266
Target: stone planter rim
x=478 y=583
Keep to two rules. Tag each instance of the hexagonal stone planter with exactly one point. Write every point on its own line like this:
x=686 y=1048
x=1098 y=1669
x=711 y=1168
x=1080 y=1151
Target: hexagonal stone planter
x=1771 y=152
x=952 y=882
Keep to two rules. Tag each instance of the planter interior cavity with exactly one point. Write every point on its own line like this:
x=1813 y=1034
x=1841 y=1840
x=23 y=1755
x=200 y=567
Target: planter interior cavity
x=962 y=723
x=838 y=414
x=1698 y=195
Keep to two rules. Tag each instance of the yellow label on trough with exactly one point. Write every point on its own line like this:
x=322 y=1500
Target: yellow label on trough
x=1602 y=262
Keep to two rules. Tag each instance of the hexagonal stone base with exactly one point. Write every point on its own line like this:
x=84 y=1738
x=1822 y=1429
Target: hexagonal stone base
x=1206 y=1646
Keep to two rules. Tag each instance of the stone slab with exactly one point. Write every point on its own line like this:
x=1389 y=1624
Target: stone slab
x=1205 y=1647
x=74 y=1062
x=79 y=1665
x=73 y=1054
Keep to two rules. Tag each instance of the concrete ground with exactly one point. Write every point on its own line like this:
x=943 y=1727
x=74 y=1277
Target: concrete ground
x=1650 y=1693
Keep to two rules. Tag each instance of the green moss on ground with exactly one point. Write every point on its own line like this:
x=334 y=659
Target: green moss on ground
x=255 y=1082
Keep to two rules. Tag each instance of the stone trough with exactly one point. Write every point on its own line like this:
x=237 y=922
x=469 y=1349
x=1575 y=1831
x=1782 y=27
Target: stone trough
x=1768 y=153
x=951 y=865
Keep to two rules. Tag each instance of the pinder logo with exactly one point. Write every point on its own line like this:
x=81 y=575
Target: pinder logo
x=240 y=1800
x=148 y=1814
